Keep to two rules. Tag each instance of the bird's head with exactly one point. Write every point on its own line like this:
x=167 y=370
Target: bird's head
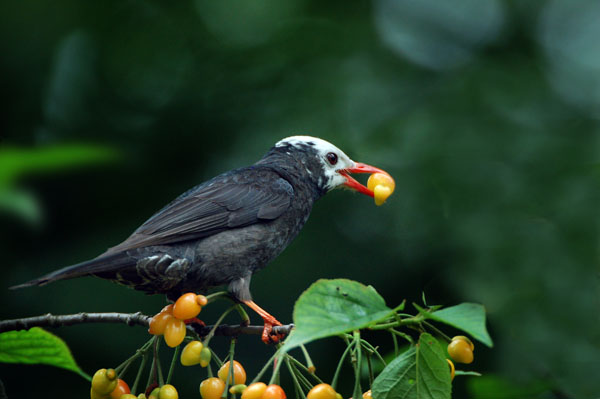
x=326 y=164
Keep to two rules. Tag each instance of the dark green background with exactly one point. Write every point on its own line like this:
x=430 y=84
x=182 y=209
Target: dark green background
x=485 y=112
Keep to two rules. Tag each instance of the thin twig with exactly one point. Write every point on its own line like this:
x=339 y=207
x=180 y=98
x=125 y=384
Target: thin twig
x=131 y=319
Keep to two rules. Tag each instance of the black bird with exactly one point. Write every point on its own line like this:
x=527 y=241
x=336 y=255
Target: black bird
x=224 y=230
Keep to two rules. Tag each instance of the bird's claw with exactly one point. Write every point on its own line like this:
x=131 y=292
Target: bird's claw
x=269 y=336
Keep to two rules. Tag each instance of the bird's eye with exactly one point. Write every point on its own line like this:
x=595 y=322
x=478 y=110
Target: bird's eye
x=332 y=158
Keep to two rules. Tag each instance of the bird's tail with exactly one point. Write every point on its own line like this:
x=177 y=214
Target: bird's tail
x=101 y=264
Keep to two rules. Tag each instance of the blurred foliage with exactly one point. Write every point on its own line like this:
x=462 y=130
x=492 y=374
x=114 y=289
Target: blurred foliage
x=18 y=162
x=485 y=112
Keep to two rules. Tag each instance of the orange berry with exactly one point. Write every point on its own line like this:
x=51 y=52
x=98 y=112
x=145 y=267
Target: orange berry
x=368 y=395
x=174 y=332
x=239 y=374
x=202 y=301
x=322 y=391
x=159 y=322
x=273 y=391
x=212 y=388
x=186 y=307
x=121 y=389
x=167 y=309
x=254 y=391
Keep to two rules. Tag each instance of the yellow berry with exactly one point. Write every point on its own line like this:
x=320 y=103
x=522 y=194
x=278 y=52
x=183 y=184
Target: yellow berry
x=239 y=374
x=380 y=194
x=254 y=391
x=377 y=179
x=451 y=369
x=466 y=339
x=104 y=381
x=96 y=395
x=367 y=395
x=174 y=332
x=322 y=391
x=460 y=351
x=191 y=353
x=168 y=391
x=382 y=186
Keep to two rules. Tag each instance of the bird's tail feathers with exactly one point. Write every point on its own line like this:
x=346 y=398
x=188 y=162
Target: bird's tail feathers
x=103 y=263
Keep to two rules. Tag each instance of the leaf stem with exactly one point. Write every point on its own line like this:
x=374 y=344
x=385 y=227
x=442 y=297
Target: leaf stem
x=219 y=320
x=437 y=331
x=121 y=368
x=275 y=375
x=339 y=366
x=357 y=361
x=310 y=366
x=216 y=295
x=374 y=350
x=231 y=376
x=395 y=342
x=303 y=367
x=173 y=361
x=294 y=378
x=139 y=373
x=161 y=380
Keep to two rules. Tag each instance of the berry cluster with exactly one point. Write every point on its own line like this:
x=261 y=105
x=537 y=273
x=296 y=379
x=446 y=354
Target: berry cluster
x=170 y=321
x=106 y=385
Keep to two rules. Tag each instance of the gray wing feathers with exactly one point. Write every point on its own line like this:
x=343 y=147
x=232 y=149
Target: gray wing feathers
x=212 y=209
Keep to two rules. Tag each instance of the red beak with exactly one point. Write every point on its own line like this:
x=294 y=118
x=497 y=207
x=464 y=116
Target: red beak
x=360 y=168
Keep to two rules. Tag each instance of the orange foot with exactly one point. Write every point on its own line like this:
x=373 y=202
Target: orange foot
x=268 y=336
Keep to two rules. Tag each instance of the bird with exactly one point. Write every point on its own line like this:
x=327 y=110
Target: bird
x=224 y=230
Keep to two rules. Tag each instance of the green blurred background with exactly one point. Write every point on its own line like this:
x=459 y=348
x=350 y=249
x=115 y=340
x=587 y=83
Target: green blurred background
x=485 y=112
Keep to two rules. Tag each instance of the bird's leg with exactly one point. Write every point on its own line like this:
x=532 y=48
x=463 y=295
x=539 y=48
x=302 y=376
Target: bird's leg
x=267 y=335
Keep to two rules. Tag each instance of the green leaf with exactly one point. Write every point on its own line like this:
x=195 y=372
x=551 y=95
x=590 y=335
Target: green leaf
x=471 y=373
x=469 y=317
x=421 y=372
x=333 y=307
x=37 y=346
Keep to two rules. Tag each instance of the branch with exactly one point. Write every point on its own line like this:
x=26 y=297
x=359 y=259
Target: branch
x=131 y=319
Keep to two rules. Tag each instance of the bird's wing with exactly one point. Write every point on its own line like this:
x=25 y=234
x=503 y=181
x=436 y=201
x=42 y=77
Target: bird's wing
x=210 y=209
